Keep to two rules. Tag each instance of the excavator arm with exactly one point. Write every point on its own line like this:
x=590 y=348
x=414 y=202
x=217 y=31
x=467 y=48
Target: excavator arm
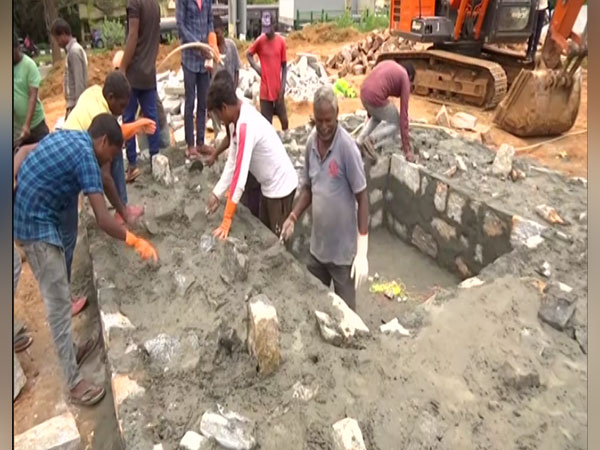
x=545 y=101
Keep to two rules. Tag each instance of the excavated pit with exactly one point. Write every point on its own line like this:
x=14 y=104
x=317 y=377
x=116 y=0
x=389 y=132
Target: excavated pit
x=175 y=332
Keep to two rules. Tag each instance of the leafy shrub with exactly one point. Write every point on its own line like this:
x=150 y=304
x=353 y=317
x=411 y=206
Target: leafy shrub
x=113 y=33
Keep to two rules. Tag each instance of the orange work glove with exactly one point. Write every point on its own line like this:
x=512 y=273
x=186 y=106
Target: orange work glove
x=223 y=231
x=212 y=41
x=129 y=130
x=142 y=246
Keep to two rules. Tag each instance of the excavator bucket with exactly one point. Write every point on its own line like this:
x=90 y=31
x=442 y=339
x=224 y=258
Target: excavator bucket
x=540 y=102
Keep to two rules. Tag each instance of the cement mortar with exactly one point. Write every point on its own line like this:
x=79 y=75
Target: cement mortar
x=440 y=389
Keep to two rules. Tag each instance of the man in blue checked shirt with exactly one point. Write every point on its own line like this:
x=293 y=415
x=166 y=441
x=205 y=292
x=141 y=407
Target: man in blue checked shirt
x=195 y=24
x=48 y=177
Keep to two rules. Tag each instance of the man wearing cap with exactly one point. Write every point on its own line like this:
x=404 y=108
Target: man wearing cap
x=195 y=24
x=271 y=50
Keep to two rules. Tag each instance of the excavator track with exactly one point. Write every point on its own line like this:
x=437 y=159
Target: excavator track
x=454 y=77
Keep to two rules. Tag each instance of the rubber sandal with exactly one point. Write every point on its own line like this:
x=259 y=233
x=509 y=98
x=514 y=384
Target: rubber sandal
x=22 y=342
x=77 y=305
x=131 y=175
x=92 y=395
x=83 y=352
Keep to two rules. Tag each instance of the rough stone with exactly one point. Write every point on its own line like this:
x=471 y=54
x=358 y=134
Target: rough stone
x=113 y=320
x=492 y=225
x=381 y=168
x=375 y=196
x=503 y=161
x=444 y=229
x=471 y=283
x=460 y=163
x=347 y=435
x=441 y=192
x=556 y=312
x=343 y=325
x=179 y=136
x=442 y=118
x=523 y=229
x=161 y=171
x=456 y=203
x=58 y=433
x=479 y=253
x=228 y=428
x=194 y=441
x=424 y=184
x=401 y=230
x=534 y=241
x=263 y=334
x=19 y=378
x=407 y=173
x=170 y=353
x=462 y=267
x=377 y=219
x=123 y=388
x=424 y=241
x=549 y=214
x=487 y=137
x=305 y=391
x=394 y=326
x=463 y=121
x=519 y=379
x=236 y=259
x=582 y=339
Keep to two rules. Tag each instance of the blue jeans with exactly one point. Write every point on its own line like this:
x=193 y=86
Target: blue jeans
x=196 y=86
x=117 y=170
x=69 y=218
x=146 y=98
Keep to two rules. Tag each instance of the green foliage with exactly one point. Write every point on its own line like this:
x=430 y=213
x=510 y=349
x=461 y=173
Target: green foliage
x=345 y=20
x=368 y=21
x=113 y=33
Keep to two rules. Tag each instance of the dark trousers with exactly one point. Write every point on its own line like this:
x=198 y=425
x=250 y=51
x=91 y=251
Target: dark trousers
x=534 y=39
x=274 y=211
x=343 y=284
x=196 y=88
x=36 y=134
x=146 y=99
x=251 y=196
x=268 y=109
x=69 y=218
x=117 y=170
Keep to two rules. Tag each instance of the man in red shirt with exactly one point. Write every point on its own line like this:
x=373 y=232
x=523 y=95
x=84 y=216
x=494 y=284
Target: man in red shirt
x=388 y=79
x=271 y=51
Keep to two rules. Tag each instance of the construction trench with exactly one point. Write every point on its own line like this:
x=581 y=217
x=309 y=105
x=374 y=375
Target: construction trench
x=492 y=348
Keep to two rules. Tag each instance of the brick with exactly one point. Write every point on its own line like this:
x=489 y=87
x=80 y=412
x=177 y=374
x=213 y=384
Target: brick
x=263 y=334
x=407 y=173
x=441 y=193
x=492 y=225
x=424 y=242
x=456 y=204
x=444 y=229
x=58 y=433
x=347 y=435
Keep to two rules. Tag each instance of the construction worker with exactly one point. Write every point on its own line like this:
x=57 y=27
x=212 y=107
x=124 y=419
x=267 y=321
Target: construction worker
x=334 y=183
x=388 y=79
x=255 y=148
x=64 y=164
x=75 y=81
x=195 y=24
x=271 y=50
x=139 y=65
x=231 y=60
x=534 y=39
x=29 y=124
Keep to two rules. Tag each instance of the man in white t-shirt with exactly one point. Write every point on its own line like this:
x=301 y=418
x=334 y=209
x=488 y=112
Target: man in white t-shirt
x=255 y=148
x=534 y=39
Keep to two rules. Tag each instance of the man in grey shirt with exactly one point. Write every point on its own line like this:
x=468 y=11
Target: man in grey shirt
x=334 y=182
x=231 y=61
x=75 y=81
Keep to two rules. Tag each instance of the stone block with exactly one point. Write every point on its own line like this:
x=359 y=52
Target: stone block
x=556 y=312
x=456 y=203
x=343 y=325
x=58 y=433
x=375 y=196
x=445 y=230
x=229 y=429
x=113 y=320
x=19 y=378
x=235 y=254
x=492 y=225
x=347 y=435
x=503 y=160
x=194 y=441
x=263 y=334
x=161 y=170
x=377 y=219
x=405 y=172
x=123 y=388
x=179 y=354
x=442 y=118
x=380 y=169
x=179 y=136
x=394 y=326
x=424 y=242
x=549 y=214
x=441 y=193
x=524 y=229
x=518 y=378
x=463 y=121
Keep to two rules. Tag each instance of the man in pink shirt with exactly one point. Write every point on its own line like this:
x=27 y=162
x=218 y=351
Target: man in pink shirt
x=388 y=79
x=270 y=48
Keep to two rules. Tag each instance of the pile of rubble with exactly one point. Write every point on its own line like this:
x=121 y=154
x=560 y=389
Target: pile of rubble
x=359 y=58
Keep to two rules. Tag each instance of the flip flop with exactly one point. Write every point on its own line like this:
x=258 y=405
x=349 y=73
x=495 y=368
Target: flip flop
x=92 y=395
x=22 y=342
x=130 y=176
x=83 y=352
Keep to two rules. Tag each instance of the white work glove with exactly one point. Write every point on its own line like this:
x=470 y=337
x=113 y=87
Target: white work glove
x=360 y=266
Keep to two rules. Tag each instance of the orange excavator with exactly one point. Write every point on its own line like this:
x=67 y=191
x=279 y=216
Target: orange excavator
x=464 y=64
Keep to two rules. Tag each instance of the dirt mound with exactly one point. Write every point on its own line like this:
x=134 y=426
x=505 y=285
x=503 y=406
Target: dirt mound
x=324 y=32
